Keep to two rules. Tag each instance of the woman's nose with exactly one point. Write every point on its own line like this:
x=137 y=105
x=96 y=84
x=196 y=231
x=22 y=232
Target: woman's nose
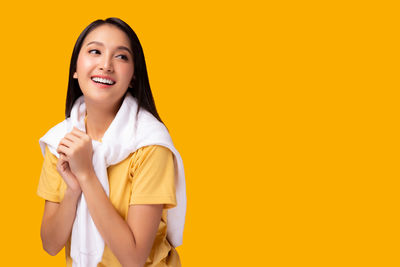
x=106 y=64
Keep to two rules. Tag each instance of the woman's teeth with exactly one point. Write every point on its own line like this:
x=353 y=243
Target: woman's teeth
x=101 y=80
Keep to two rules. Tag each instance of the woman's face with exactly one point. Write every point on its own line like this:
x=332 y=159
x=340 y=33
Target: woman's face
x=105 y=68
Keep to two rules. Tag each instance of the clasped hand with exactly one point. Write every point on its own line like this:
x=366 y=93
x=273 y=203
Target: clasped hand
x=75 y=161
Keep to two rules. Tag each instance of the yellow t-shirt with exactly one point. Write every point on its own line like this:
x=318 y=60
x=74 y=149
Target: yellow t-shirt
x=146 y=176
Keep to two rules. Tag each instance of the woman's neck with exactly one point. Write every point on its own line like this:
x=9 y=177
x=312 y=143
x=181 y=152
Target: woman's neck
x=98 y=120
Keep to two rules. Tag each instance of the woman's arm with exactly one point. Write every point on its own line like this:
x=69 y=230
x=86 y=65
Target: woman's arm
x=58 y=218
x=130 y=241
x=57 y=222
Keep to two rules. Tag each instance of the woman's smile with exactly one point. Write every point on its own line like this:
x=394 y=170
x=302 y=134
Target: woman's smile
x=103 y=81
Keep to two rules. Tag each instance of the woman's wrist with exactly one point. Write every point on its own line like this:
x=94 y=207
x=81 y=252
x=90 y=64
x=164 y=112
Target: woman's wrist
x=72 y=194
x=86 y=176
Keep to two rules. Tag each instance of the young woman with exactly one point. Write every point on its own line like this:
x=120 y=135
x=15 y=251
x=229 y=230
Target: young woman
x=112 y=180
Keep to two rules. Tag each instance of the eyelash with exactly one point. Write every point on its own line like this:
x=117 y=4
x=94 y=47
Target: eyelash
x=123 y=56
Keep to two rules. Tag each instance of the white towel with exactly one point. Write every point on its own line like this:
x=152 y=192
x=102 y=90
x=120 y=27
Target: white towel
x=124 y=136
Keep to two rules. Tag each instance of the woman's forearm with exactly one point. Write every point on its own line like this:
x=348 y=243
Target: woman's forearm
x=112 y=227
x=57 y=223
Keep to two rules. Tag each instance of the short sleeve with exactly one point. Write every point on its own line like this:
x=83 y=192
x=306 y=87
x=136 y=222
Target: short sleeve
x=50 y=179
x=153 y=176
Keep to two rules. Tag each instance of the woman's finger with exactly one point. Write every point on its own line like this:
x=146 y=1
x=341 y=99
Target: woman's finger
x=66 y=142
x=63 y=166
x=63 y=149
x=81 y=135
x=71 y=137
x=63 y=157
x=77 y=132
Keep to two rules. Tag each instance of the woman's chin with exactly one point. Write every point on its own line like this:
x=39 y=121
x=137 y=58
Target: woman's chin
x=101 y=98
x=98 y=97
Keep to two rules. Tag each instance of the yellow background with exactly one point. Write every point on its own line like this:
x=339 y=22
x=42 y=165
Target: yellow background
x=286 y=116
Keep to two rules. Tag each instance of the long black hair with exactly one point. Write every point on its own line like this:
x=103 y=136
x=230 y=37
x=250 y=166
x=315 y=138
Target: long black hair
x=140 y=84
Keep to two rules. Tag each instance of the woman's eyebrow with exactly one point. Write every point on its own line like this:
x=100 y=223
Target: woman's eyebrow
x=119 y=47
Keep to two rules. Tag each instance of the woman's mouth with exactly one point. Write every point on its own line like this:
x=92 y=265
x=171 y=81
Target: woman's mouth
x=102 y=82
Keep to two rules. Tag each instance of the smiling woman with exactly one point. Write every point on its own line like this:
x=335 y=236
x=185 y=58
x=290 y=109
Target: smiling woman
x=105 y=54
x=112 y=180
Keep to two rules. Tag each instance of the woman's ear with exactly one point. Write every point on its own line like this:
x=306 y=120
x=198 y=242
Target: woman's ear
x=131 y=83
x=75 y=75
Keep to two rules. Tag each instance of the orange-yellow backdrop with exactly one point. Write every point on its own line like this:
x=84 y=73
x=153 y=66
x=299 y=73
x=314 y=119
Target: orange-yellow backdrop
x=286 y=116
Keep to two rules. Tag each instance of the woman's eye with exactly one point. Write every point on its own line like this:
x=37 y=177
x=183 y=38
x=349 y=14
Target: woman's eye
x=94 y=51
x=123 y=57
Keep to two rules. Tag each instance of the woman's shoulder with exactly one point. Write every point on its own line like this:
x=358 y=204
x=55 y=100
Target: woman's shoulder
x=145 y=151
x=155 y=152
x=151 y=155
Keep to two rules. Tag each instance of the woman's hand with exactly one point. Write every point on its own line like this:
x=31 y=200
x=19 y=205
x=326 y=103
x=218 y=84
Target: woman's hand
x=78 y=151
x=69 y=178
